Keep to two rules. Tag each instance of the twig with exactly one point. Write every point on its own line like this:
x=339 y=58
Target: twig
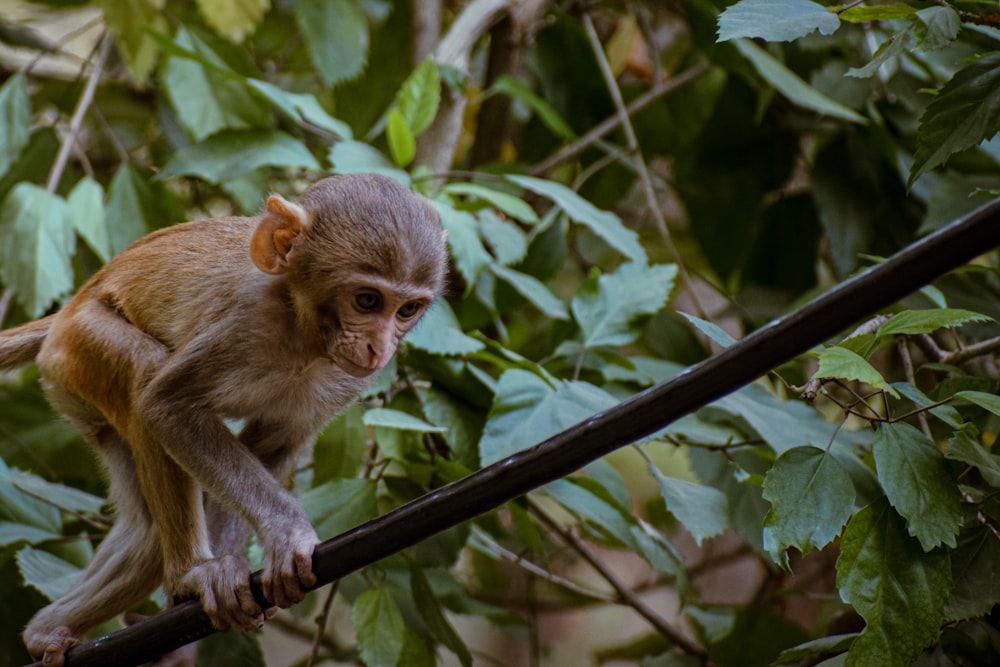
x=321 y=622
x=55 y=174
x=57 y=46
x=904 y=355
x=969 y=351
x=6 y=298
x=632 y=142
x=612 y=122
x=991 y=20
x=624 y=592
x=536 y=570
x=849 y=5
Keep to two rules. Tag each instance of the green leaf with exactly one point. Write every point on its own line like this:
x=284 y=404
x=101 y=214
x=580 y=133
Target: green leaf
x=433 y=616
x=231 y=153
x=839 y=362
x=775 y=20
x=703 y=510
x=508 y=203
x=990 y=402
x=508 y=243
x=339 y=505
x=893 y=584
x=910 y=322
x=64 y=497
x=974 y=566
x=301 y=107
x=860 y=14
x=811 y=497
x=15 y=120
x=785 y=424
x=605 y=224
x=815 y=649
x=86 y=210
x=230 y=648
x=356 y=157
x=466 y=247
x=438 y=332
x=233 y=19
x=37 y=248
x=18 y=507
x=965 y=112
x=965 y=446
x=50 y=575
x=399 y=420
x=205 y=99
x=591 y=500
x=546 y=112
x=942 y=25
x=11 y=533
x=710 y=329
x=612 y=308
x=402 y=144
x=946 y=413
x=918 y=483
x=131 y=21
x=336 y=34
x=380 y=627
x=134 y=208
x=526 y=410
x=533 y=290
x=419 y=96
x=791 y=86
x=890 y=48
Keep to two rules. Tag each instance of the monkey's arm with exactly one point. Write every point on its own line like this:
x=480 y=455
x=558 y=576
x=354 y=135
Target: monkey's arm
x=177 y=405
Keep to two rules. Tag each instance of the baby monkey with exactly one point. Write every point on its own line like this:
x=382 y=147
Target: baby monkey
x=276 y=321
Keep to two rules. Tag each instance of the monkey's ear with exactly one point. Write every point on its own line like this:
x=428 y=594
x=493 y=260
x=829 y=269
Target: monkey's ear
x=275 y=235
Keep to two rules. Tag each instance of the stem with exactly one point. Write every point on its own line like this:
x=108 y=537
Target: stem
x=539 y=571
x=632 y=142
x=55 y=174
x=904 y=355
x=612 y=122
x=321 y=622
x=625 y=594
x=968 y=352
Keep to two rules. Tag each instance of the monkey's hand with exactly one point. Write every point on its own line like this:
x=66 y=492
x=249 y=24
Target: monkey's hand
x=223 y=586
x=288 y=551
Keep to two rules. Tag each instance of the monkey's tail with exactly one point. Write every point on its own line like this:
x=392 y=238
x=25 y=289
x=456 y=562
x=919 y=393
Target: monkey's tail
x=19 y=346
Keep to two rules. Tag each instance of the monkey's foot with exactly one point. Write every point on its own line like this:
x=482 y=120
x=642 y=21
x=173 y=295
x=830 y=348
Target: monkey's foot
x=223 y=586
x=52 y=646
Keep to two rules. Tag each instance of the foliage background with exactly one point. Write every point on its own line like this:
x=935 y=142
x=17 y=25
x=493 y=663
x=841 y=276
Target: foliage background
x=627 y=186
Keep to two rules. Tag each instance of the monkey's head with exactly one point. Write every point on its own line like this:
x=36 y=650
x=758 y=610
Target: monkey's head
x=363 y=258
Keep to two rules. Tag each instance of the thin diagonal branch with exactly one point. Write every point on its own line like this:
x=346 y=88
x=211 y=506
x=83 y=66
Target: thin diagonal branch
x=82 y=105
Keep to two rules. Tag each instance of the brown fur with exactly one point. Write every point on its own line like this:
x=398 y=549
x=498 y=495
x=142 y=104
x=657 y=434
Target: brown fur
x=234 y=318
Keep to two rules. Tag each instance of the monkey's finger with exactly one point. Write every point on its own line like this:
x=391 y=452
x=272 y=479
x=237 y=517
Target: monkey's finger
x=303 y=569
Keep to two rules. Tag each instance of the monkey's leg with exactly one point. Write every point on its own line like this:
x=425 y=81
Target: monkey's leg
x=124 y=571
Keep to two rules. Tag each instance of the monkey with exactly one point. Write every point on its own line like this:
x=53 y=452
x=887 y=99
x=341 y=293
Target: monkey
x=275 y=322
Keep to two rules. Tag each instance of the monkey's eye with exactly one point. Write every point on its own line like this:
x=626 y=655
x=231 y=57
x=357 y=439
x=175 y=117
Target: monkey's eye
x=367 y=301
x=408 y=310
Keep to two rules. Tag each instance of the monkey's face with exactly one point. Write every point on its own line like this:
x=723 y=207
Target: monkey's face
x=364 y=320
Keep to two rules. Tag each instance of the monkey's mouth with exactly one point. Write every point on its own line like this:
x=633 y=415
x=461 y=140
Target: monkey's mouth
x=349 y=367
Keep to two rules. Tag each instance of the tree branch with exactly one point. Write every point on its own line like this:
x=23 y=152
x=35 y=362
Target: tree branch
x=566 y=452
x=86 y=98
